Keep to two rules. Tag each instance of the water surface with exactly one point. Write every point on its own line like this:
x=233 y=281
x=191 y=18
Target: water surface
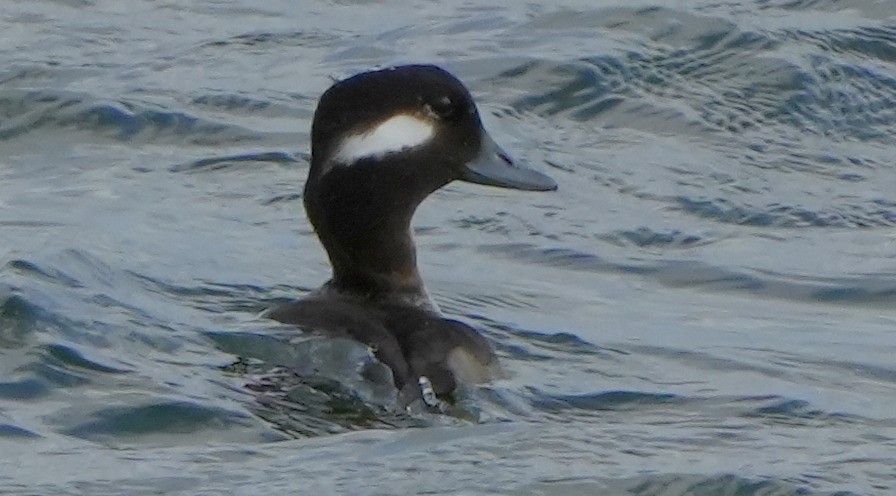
x=706 y=306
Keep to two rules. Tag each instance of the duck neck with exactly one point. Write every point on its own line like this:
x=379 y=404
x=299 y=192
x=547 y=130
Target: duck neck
x=365 y=227
x=375 y=265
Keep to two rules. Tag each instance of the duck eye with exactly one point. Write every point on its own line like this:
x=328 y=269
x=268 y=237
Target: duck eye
x=443 y=107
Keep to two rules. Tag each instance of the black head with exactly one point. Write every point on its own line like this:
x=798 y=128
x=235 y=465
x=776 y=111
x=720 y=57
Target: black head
x=381 y=142
x=417 y=112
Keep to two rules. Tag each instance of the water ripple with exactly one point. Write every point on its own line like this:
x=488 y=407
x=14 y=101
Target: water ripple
x=176 y=417
x=725 y=210
x=234 y=161
x=40 y=111
x=876 y=290
x=705 y=306
x=17 y=321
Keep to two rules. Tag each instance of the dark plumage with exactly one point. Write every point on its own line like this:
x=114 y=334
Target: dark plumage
x=361 y=208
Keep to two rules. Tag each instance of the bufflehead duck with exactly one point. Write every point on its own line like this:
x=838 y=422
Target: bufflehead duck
x=381 y=142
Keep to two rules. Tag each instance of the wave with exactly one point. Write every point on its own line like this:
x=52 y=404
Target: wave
x=42 y=111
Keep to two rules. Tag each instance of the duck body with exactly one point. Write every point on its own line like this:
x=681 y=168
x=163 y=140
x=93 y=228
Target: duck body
x=413 y=341
x=383 y=141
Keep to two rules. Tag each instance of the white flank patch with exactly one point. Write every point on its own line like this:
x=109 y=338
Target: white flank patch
x=390 y=136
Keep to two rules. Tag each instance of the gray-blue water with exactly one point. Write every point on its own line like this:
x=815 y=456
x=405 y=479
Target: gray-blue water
x=707 y=306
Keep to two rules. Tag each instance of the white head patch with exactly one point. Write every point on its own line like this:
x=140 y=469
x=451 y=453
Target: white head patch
x=390 y=136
